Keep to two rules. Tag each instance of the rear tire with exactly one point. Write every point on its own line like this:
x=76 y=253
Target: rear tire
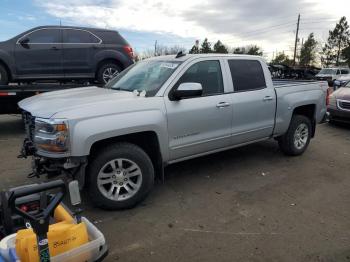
x=106 y=72
x=297 y=138
x=4 y=78
x=120 y=176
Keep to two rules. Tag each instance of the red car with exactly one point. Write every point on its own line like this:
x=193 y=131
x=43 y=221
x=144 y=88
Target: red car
x=339 y=105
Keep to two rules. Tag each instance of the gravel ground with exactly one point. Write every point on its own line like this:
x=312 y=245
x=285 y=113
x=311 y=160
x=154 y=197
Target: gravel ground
x=246 y=204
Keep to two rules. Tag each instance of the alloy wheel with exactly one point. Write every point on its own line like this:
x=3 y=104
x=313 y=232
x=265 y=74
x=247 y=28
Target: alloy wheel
x=301 y=136
x=119 y=179
x=109 y=73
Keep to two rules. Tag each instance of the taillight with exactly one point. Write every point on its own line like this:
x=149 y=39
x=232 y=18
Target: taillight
x=129 y=51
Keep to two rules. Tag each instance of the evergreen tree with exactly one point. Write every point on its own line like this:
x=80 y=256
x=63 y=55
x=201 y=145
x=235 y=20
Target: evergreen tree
x=346 y=54
x=281 y=59
x=206 y=47
x=308 y=51
x=239 y=50
x=254 y=50
x=220 y=48
x=248 y=50
x=338 y=39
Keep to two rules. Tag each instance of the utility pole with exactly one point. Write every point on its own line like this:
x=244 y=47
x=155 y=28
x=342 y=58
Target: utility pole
x=296 y=40
x=155 y=48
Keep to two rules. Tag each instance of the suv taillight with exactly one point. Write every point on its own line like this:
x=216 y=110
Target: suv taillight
x=129 y=51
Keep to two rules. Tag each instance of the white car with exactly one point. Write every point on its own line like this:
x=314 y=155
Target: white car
x=331 y=74
x=342 y=80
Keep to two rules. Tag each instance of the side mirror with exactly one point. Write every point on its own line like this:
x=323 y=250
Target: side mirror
x=74 y=193
x=24 y=41
x=186 y=90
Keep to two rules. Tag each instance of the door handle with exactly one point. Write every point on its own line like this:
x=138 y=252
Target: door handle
x=55 y=48
x=267 y=98
x=222 y=104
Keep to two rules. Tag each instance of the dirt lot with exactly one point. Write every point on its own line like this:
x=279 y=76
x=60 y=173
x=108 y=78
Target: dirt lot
x=247 y=204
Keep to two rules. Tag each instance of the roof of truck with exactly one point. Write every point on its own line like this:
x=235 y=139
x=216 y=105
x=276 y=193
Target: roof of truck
x=192 y=56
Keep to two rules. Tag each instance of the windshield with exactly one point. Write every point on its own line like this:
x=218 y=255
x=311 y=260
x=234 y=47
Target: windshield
x=146 y=76
x=327 y=71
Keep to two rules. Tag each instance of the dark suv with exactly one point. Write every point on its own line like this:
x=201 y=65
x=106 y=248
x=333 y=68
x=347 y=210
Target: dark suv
x=64 y=53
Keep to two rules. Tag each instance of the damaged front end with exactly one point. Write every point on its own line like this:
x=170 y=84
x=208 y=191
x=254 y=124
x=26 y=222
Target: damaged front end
x=47 y=142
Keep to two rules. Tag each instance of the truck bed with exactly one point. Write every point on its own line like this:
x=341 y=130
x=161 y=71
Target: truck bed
x=283 y=83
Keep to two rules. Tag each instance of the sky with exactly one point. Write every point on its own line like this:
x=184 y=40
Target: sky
x=270 y=24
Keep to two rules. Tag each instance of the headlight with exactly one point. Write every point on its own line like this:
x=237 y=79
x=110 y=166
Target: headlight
x=51 y=135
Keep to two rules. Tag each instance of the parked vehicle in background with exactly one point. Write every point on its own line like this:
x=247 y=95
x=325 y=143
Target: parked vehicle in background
x=341 y=81
x=331 y=74
x=64 y=53
x=279 y=71
x=161 y=111
x=339 y=105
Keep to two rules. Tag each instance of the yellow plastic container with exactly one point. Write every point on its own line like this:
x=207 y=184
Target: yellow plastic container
x=63 y=236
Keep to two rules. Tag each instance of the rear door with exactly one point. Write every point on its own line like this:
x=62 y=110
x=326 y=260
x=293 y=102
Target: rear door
x=79 y=48
x=38 y=54
x=254 y=103
x=200 y=124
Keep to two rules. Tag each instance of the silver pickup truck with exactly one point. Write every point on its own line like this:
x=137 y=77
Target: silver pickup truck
x=116 y=140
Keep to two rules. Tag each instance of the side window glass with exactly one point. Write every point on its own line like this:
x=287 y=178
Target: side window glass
x=72 y=36
x=208 y=74
x=246 y=75
x=45 y=36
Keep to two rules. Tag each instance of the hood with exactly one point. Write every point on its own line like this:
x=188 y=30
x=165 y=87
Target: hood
x=342 y=93
x=46 y=105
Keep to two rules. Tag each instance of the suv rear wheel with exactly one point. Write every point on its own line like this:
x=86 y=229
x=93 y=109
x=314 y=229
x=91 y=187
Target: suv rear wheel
x=4 y=79
x=107 y=71
x=120 y=176
x=297 y=138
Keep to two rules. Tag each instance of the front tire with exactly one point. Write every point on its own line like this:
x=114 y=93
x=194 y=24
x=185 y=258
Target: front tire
x=120 y=176
x=106 y=72
x=4 y=78
x=297 y=138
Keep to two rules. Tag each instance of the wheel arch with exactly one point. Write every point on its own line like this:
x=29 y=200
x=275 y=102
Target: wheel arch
x=146 y=140
x=7 y=68
x=308 y=111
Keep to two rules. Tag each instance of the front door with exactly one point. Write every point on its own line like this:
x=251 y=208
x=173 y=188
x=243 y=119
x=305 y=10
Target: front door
x=201 y=124
x=39 y=54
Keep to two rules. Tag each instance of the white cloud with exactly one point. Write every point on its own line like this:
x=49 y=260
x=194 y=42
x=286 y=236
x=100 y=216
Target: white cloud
x=234 y=22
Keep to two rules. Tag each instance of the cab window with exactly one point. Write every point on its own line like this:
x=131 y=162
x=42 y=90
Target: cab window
x=247 y=75
x=208 y=74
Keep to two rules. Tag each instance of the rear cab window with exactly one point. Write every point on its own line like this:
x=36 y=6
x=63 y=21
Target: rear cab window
x=247 y=75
